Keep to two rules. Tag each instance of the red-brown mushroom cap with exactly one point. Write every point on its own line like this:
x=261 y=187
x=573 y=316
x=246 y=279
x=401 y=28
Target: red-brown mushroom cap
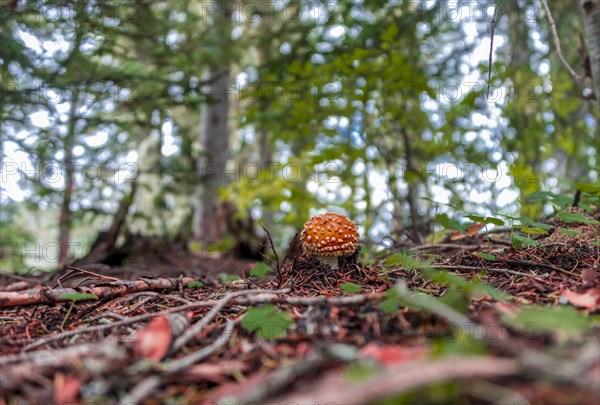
x=329 y=234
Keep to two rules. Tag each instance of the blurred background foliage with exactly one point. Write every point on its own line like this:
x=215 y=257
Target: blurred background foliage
x=112 y=117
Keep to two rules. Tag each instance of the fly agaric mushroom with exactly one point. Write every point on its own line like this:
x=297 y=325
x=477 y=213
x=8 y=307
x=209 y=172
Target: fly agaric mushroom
x=329 y=236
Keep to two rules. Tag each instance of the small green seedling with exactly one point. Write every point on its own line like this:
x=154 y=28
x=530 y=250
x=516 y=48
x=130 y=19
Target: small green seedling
x=74 y=297
x=519 y=241
x=351 y=288
x=195 y=284
x=486 y=256
x=228 y=278
x=267 y=321
x=260 y=270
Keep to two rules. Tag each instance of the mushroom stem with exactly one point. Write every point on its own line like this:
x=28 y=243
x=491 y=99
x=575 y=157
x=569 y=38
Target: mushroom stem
x=330 y=260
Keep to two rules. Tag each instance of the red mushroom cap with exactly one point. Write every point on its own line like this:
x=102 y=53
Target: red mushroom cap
x=329 y=234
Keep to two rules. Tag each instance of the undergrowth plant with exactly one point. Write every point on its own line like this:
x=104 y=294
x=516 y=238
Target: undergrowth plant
x=74 y=297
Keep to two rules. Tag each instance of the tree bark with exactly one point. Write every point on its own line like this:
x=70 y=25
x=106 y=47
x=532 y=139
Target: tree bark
x=591 y=11
x=106 y=241
x=146 y=221
x=210 y=224
x=64 y=226
x=214 y=136
x=412 y=189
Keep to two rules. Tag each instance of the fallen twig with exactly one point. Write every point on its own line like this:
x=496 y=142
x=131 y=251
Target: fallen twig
x=279 y=381
x=148 y=385
x=180 y=364
x=476 y=268
x=530 y=263
x=198 y=326
x=335 y=388
x=442 y=310
x=320 y=299
x=114 y=289
x=135 y=319
x=76 y=271
x=142 y=390
x=48 y=360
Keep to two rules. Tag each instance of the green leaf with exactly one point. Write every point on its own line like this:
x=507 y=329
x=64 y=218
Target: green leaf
x=448 y=223
x=532 y=223
x=486 y=256
x=360 y=371
x=572 y=217
x=260 y=270
x=267 y=321
x=570 y=232
x=195 y=284
x=229 y=278
x=475 y=218
x=224 y=245
x=590 y=200
x=444 y=277
x=495 y=221
x=548 y=319
x=77 y=297
x=455 y=298
x=390 y=304
x=557 y=199
x=586 y=207
x=350 y=288
x=459 y=341
x=389 y=35
x=195 y=246
x=406 y=261
x=519 y=241
x=588 y=188
x=537 y=231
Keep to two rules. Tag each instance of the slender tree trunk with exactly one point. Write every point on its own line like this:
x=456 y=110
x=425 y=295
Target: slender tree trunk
x=64 y=227
x=214 y=136
x=210 y=224
x=412 y=185
x=106 y=241
x=146 y=222
x=591 y=10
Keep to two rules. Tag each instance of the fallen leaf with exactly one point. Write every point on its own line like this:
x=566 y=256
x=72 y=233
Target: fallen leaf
x=66 y=388
x=392 y=354
x=473 y=229
x=456 y=235
x=588 y=300
x=588 y=275
x=153 y=342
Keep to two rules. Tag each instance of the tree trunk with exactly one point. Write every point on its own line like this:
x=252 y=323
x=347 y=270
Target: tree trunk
x=214 y=137
x=210 y=223
x=412 y=184
x=106 y=241
x=146 y=220
x=64 y=226
x=591 y=10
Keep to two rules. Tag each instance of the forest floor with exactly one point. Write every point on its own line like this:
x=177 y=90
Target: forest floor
x=473 y=320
